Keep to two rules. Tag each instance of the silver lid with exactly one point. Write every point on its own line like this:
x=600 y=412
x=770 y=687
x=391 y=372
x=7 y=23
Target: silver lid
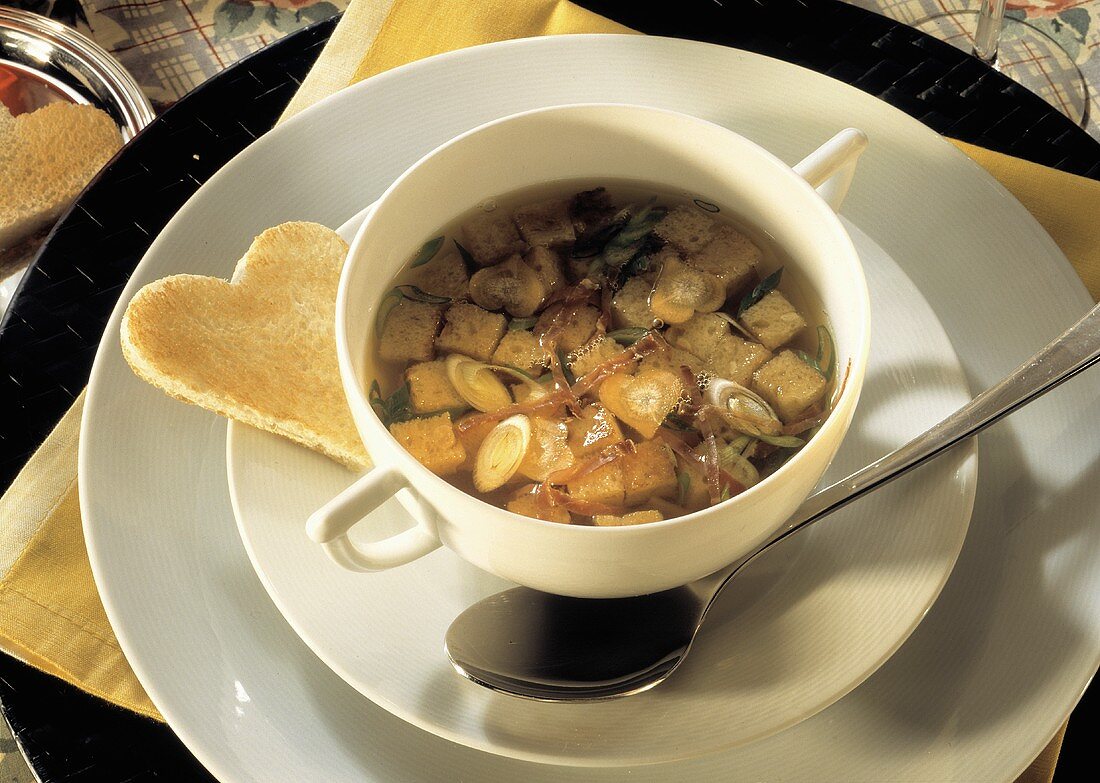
x=73 y=65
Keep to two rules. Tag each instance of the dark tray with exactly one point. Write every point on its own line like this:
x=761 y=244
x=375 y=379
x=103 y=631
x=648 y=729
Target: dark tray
x=49 y=336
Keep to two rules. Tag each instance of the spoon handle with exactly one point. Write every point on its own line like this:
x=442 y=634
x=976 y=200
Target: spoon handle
x=1077 y=349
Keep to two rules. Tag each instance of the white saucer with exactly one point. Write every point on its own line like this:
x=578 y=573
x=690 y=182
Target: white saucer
x=809 y=623
x=973 y=695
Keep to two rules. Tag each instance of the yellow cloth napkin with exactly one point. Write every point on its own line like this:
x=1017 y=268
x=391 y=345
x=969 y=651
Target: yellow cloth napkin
x=50 y=614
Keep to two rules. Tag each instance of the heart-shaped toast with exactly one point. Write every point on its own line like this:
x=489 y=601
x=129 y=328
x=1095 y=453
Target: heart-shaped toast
x=47 y=156
x=641 y=400
x=260 y=349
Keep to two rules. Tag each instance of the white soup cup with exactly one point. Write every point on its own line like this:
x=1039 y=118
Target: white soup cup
x=594 y=143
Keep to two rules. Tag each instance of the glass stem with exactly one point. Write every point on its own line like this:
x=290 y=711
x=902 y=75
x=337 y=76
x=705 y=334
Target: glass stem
x=988 y=33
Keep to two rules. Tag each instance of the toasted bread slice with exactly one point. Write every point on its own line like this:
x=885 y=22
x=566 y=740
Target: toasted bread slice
x=260 y=349
x=47 y=156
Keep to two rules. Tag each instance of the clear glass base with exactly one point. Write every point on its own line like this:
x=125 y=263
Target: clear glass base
x=1026 y=54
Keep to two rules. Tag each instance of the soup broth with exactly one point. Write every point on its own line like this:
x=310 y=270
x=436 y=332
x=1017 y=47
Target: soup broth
x=602 y=354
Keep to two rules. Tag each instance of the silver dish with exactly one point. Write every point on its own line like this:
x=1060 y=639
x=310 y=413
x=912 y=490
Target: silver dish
x=72 y=64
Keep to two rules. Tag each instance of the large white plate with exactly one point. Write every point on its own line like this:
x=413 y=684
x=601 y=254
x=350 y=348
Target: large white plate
x=973 y=695
x=809 y=622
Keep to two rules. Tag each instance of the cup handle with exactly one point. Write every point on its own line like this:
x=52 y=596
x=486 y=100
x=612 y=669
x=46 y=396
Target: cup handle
x=329 y=525
x=829 y=169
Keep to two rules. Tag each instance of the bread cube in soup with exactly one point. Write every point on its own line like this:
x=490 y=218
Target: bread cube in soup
x=471 y=331
x=602 y=485
x=669 y=510
x=730 y=256
x=700 y=334
x=430 y=389
x=491 y=237
x=472 y=438
x=633 y=518
x=578 y=327
x=545 y=223
x=736 y=359
x=548 y=266
x=592 y=354
x=630 y=306
x=773 y=320
x=528 y=506
x=649 y=472
x=520 y=349
x=687 y=229
x=592 y=431
x=408 y=334
x=433 y=442
x=789 y=385
x=444 y=275
x=591 y=210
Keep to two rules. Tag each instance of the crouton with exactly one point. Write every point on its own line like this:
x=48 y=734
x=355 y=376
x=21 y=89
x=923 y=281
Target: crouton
x=593 y=430
x=633 y=518
x=736 y=359
x=491 y=237
x=686 y=229
x=432 y=441
x=602 y=485
x=548 y=266
x=444 y=275
x=591 y=210
x=699 y=335
x=521 y=350
x=470 y=331
x=789 y=385
x=430 y=389
x=630 y=306
x=730 y=256
x=548 y=451
x=528 y=506
x=669 y=510
x=649 y=472
x=545 y=223
x=408 y=334
x=471 y=439
x=577 y=330
x=592 y=354
x=773 y=320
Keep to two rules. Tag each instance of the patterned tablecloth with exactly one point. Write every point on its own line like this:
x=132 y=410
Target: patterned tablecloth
x=171 y=46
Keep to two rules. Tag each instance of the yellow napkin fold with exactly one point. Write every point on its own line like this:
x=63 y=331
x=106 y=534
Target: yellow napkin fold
x=50 y=614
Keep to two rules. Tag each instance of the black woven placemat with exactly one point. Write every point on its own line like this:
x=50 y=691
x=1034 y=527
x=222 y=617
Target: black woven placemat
x=48 y=338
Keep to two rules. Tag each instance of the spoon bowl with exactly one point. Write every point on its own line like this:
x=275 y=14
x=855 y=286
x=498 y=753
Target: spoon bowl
x=549 y=647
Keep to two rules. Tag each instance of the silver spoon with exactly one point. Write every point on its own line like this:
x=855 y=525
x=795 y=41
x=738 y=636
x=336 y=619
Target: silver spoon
x=553 y=648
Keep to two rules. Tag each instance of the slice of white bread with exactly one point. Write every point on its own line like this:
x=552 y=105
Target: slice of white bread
x=260 y=349
x=47 y=156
